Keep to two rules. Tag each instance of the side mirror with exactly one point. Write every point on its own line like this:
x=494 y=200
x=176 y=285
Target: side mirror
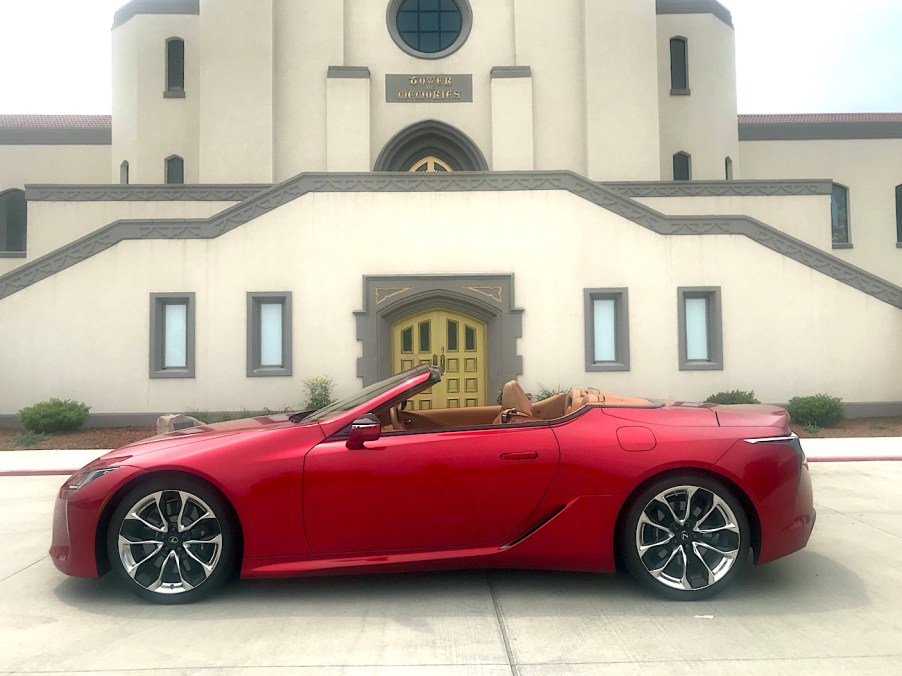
x=367 y=428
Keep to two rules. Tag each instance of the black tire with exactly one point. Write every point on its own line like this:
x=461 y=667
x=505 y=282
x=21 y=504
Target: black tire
x=189 y=544
x=685 y=556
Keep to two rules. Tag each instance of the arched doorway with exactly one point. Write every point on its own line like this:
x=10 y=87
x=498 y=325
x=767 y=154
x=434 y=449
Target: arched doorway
x=447 y=148
x=453 y=341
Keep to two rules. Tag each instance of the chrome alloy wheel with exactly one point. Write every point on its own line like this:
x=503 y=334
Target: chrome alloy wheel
x=688 y=538
x=170 y=542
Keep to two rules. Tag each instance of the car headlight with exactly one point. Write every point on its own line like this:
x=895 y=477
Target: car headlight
x=82 y=479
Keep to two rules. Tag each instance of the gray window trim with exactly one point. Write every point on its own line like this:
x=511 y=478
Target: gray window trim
x=170 y=91
x=157 y=331
x=848 y=217
x=688 y=157
x=620 y=295
x=123 y=172
x=166 y=169
x=715 y=328
x=466 y=15
x=13 y=223
x=254 y=367
x=679 y=91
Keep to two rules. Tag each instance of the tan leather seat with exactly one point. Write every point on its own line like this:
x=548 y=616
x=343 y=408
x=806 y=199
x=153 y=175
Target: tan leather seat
x=515 y=405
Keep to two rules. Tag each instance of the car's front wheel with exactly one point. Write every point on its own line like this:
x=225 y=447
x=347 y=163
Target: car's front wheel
x=171 y=540
x=685 y=537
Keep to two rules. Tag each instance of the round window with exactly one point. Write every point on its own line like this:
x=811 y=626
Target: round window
x=429 y=29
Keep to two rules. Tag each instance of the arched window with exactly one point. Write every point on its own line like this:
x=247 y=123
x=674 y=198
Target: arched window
x=839 y=212
x=728 y=168
x=175 y=67
x=682 y=167
x=899 y=214
x=431 y=165
x=13 y=220
x=175 y=169
x=679 y=65
x=431 y=139
x=123 y=172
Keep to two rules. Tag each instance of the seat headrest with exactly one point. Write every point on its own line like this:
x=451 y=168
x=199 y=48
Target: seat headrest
x=513 y=396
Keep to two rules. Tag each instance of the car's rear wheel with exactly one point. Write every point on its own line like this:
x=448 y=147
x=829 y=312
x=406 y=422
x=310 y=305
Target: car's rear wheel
x=685 y=537
x=171 y=540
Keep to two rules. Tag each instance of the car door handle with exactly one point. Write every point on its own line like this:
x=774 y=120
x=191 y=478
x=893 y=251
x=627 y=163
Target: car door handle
x=520 y=455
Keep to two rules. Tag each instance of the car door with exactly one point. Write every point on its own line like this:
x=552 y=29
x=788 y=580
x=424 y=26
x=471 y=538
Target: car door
x=415 y=490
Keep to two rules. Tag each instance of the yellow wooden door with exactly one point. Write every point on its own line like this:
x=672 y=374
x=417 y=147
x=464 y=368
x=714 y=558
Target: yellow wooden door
x=452 y=341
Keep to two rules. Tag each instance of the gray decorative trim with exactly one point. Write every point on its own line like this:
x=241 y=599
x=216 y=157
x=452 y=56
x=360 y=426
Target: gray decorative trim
x=489 y=298
x=254 y=367
x=843 y=245
x=349 y=72
x=695 y=7
x=174 y=94
x=466 y=16
x=136 y=7
x=819 y=131
x=405 y=182
x=48 y=136
x=143 y=193
x=499 y=72
x=158 y=302
x=680 y=92
x=13 y=254
x=791 y=188
x=715 y=328
x=620 y=296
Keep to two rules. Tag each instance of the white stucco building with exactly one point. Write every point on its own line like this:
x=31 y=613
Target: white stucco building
x=558 y=192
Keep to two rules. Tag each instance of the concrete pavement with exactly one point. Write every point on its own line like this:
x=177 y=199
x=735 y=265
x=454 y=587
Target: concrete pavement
x=835 y=607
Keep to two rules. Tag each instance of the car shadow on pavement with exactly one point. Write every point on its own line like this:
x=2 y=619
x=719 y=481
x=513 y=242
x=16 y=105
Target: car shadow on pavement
x=806 y=580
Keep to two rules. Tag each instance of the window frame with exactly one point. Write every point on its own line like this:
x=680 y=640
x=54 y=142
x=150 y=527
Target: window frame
x=682 y=153
x=171 y=90
x=899 y=216
x=714 y=328
x=684 y=62
x=466 y=24
x=847 y=215
x=620 y=296
x=166 y=170
x=255 y=367
x=123 y=173
x=158 y=303
x=11 y=201
x=728 y=168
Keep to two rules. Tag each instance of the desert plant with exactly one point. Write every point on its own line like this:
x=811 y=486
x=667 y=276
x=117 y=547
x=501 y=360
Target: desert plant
x=820 y=410
x=733 y=397
x=548 y=392
x=54 y=415
x=28 y=439
x=318 y=391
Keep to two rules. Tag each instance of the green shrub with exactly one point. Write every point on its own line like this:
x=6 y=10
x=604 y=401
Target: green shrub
x=54 y=415
x=28 y=439
x=819 y=410
x=548 y=392
x=733 y=397
x=318 y=390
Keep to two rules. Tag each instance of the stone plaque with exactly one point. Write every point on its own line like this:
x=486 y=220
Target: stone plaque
x=428 y=88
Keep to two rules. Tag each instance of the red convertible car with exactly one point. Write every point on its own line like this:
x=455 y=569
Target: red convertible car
x=682 y=494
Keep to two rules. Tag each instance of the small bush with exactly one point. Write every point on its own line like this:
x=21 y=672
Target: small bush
x=54 y=415
x=733 y=397
x=548 y=392
x=28 y=439
x=318 y=390
x=819 y=410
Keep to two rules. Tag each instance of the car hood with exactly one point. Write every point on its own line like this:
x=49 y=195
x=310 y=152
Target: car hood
x=203 y=437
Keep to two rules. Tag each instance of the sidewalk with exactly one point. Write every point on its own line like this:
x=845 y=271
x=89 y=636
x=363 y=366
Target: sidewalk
x=64 y=463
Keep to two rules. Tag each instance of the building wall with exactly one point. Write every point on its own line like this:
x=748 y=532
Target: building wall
x=703 y=123
x=24 y=164
x=871 y=169
x=147 y=127
x=600 y=249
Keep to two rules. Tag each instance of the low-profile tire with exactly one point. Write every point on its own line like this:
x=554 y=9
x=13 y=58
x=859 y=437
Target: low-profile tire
x=172 y=540
x=685 y=537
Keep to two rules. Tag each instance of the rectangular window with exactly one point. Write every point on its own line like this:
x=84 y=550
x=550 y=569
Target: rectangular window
x=172 y=335
x=679 y=66
x=701 y=330
x=839 y=217
x=269 y=334
x=607 y=329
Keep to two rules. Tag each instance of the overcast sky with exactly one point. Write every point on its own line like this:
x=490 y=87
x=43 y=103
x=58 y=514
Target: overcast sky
x=793 y=56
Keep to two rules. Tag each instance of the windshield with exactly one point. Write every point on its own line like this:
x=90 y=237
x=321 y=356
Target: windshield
x=374 y=390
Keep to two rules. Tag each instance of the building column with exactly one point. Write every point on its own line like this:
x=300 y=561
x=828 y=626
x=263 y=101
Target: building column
x=348 y=119
x=512 y=124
